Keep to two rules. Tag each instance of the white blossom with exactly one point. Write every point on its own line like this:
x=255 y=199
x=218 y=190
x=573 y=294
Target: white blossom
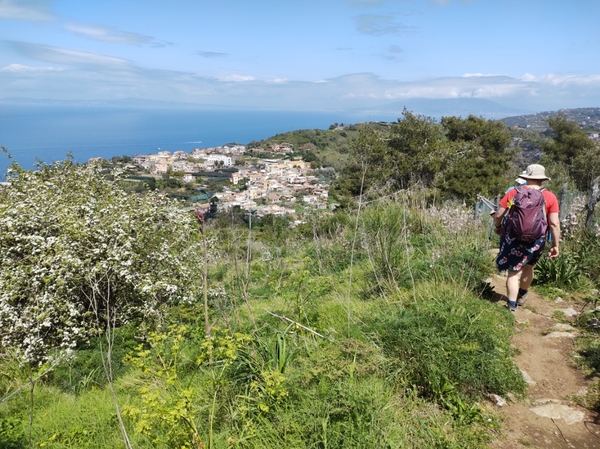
x=72 y=240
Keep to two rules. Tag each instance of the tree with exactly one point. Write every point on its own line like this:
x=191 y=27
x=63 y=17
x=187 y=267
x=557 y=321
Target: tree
x=309 y=156
x=365 y=171
x=392 y=158
x=477 y=157
x=460 y=157
x=571 y=147
x=415 y=143
x=463 y=174
x=151 y=182
x=492 y=136
x=569 y=141
x=121 y=159
x=586 y=167
x=78 y=255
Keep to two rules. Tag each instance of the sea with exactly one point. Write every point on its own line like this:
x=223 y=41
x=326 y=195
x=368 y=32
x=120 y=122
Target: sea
x=35 y=134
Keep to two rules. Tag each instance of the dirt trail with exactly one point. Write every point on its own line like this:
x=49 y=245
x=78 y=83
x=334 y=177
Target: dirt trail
x=547 y=418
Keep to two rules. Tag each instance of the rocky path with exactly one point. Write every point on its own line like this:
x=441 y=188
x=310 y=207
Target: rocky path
x=548 y=418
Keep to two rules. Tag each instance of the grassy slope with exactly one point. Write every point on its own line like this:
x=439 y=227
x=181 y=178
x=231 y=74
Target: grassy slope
x=341 y=333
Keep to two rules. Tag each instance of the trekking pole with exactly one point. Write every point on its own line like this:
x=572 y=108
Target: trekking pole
x=487 y=247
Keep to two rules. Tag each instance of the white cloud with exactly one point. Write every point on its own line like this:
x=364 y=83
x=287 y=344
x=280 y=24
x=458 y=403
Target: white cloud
x=107 y=34
x=562 y=80
x=528 y=77
x=97 y=76
x=36 y=10
x=490 y=87
x=479 y=75
x=236 y=78
x=18 y=68
x=70 y=57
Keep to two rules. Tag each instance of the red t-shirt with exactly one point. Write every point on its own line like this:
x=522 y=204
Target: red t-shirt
x=551 y=201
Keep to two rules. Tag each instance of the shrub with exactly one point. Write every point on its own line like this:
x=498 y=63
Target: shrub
x=78 y=252
x=562 y=272
x=444 y=342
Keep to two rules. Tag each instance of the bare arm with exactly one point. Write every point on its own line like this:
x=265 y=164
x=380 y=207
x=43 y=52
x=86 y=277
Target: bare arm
x=554 y=225
x=498 y=216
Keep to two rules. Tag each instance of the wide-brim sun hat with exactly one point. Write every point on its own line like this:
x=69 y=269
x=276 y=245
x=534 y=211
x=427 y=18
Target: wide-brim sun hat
x=535 y=171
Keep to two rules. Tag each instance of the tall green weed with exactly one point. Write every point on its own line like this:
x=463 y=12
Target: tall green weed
x=406 y=246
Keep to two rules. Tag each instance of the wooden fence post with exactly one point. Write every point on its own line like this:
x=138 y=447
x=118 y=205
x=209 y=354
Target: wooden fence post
x=594 y=196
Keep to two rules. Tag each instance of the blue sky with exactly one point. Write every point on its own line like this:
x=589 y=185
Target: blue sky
x=311 y=54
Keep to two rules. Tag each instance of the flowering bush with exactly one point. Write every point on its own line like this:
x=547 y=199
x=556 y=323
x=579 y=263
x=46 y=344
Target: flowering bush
x=78 y=253
x=455 y=220
x=574 y=221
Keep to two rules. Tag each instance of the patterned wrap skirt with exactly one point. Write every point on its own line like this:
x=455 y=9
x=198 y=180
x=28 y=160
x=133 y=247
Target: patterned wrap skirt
x=514 y=254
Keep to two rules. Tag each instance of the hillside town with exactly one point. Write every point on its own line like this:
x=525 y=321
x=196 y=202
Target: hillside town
x=264 y=186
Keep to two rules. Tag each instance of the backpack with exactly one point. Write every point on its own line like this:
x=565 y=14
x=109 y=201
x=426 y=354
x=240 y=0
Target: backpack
x=526 y=220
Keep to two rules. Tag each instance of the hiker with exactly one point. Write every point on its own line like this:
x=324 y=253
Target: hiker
x=518 y=255
x=519 y=182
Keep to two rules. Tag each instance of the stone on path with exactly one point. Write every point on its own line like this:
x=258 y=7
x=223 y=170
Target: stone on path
x=559 y=411
x=560 y=335
x=564 y=327
x=568 y=312
x=527 y=378
x=497 y=400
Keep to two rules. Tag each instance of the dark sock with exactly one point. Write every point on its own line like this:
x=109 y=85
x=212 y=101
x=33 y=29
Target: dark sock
x=522 y=293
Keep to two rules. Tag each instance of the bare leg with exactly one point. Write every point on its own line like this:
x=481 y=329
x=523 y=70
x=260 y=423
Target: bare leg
x=526 y=276
x=512 y=285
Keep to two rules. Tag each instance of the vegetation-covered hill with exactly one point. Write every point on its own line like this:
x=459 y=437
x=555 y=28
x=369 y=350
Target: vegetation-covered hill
x=342 y=136
x=331 y=147
x=587 y=118
x=326 y=148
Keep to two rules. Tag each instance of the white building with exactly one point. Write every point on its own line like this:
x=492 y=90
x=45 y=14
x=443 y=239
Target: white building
x=215 y=159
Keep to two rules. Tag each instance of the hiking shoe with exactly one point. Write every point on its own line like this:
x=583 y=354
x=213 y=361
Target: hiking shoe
x=511 y=306
x=521 y=299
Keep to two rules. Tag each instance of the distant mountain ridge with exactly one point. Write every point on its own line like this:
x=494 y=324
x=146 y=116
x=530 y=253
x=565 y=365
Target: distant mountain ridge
x=586 y=118
x=428 y=107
